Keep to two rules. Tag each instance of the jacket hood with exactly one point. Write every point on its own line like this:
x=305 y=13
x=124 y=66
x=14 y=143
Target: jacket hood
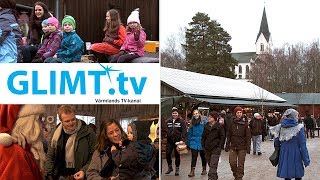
x=289 y=122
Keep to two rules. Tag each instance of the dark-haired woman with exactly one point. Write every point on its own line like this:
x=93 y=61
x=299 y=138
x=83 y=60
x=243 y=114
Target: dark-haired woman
x=39 y=13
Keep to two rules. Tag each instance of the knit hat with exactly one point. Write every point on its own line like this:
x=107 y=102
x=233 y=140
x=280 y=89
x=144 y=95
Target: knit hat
x=291 y=113
x=10 y=4
x=174 y=109
x=256 y=115
x=54 y=21
x=70 y=20
x=142 y=129
x=134 y=16
x=9 y=114
x=214 y=114
x=44 y=22
x=238 y=108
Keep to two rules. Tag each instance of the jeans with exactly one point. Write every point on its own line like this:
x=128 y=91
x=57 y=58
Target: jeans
x=256 y=143
x=194 y=157
x=212 y=158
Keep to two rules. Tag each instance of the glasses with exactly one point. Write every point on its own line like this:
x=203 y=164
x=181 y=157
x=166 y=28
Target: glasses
x=70 y=120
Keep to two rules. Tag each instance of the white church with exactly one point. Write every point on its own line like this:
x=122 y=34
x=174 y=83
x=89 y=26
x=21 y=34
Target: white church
x=263 y=46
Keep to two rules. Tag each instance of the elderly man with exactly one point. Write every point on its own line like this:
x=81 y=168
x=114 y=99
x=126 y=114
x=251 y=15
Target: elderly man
x=176 y=132
x=238 y=142
x=257 y=127
x=71 y=147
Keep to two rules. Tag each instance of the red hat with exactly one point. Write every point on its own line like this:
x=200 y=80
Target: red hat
x=8 y=117
x=238 y=108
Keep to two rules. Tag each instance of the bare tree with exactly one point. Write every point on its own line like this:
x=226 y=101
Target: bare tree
x=173 y=55
x=292 y=68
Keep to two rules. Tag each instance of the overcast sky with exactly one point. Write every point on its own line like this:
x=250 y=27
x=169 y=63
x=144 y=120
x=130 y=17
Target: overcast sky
x=290 y=21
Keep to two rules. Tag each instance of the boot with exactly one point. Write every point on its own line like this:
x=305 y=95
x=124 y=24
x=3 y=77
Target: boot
x=170 y=169
x=204 y=170
x=191 y=174
x=177 y=171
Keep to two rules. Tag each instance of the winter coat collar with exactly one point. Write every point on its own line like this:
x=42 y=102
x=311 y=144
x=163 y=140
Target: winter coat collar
x=286 y=133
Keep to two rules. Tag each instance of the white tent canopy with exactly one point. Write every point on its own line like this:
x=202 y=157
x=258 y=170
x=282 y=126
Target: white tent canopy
x=203 y=85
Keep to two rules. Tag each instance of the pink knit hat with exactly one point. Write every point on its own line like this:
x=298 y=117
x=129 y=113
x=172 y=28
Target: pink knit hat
x=54 y=21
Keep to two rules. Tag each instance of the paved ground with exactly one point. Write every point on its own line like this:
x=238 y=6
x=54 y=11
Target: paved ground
x=256 y=167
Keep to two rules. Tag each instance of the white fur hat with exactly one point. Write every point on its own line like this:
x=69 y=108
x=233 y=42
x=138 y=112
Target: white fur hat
x=256 y=115
x=134 y=16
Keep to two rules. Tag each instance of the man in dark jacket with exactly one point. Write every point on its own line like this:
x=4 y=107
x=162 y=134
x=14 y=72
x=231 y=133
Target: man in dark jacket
x=212 y=141
x=176 y=132
x=310 y=125
x=238 y=142
x=71 y=147
x=257 y=128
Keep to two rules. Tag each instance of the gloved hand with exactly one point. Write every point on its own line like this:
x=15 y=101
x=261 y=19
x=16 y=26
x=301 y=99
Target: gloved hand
x=122 y=52
x=226 y=149
x=137 y=35
x=108 y=39
x=37 y=60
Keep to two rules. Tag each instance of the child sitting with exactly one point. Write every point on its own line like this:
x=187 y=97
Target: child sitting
x=72 y=46
x=51 y=44
x=45 y=30
x=133 y=47
x=10 y=34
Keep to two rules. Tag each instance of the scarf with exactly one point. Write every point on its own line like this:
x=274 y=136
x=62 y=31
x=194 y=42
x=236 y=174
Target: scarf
x=69 y=149
x=286 y=133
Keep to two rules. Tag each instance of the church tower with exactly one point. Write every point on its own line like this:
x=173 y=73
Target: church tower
x=263 y=41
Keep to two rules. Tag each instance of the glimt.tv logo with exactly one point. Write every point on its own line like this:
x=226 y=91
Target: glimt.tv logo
x=108 y=81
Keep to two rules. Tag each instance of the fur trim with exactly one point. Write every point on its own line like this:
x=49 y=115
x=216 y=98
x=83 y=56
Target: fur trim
x=31 y=109
x=5 y=139
x=286 y=133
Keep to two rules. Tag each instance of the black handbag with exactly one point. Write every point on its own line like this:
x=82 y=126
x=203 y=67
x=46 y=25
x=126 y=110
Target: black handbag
x=274 y=158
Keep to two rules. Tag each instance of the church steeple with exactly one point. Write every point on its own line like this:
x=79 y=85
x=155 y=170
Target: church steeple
x=264 y=28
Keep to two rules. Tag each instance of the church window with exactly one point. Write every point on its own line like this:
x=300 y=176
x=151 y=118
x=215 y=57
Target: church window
x=240 y=69
x=261 y=47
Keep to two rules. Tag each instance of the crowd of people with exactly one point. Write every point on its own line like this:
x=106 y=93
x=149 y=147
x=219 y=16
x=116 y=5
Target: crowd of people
x=74 y=151
x=210 y=134
x=49 y=42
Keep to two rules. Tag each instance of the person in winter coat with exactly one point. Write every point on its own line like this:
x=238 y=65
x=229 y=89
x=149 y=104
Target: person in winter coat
x=39 y=13
x=102 y=165
x=310 y=125
x=71 y=147
x=238 y=142
x=213 y=138
x=133 y=47
x=10 y=34
x=176 y=132
x=115 y=35
x=194 y=141
x=294 y=156
x=21 y=150
x=72 y=46
x=134 y=159
x=257 y=128
x=51 y=44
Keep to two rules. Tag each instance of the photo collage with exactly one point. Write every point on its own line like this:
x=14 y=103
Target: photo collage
x=139 y=89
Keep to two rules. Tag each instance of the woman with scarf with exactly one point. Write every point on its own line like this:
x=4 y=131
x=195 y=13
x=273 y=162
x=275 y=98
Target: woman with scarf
x=194 y=141
x=290 y=136
x=39 y=13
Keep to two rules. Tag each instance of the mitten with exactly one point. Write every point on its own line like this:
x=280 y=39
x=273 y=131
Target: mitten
x=37 y=60
x=108 y=39
x=136 y=35
x=122 y=52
